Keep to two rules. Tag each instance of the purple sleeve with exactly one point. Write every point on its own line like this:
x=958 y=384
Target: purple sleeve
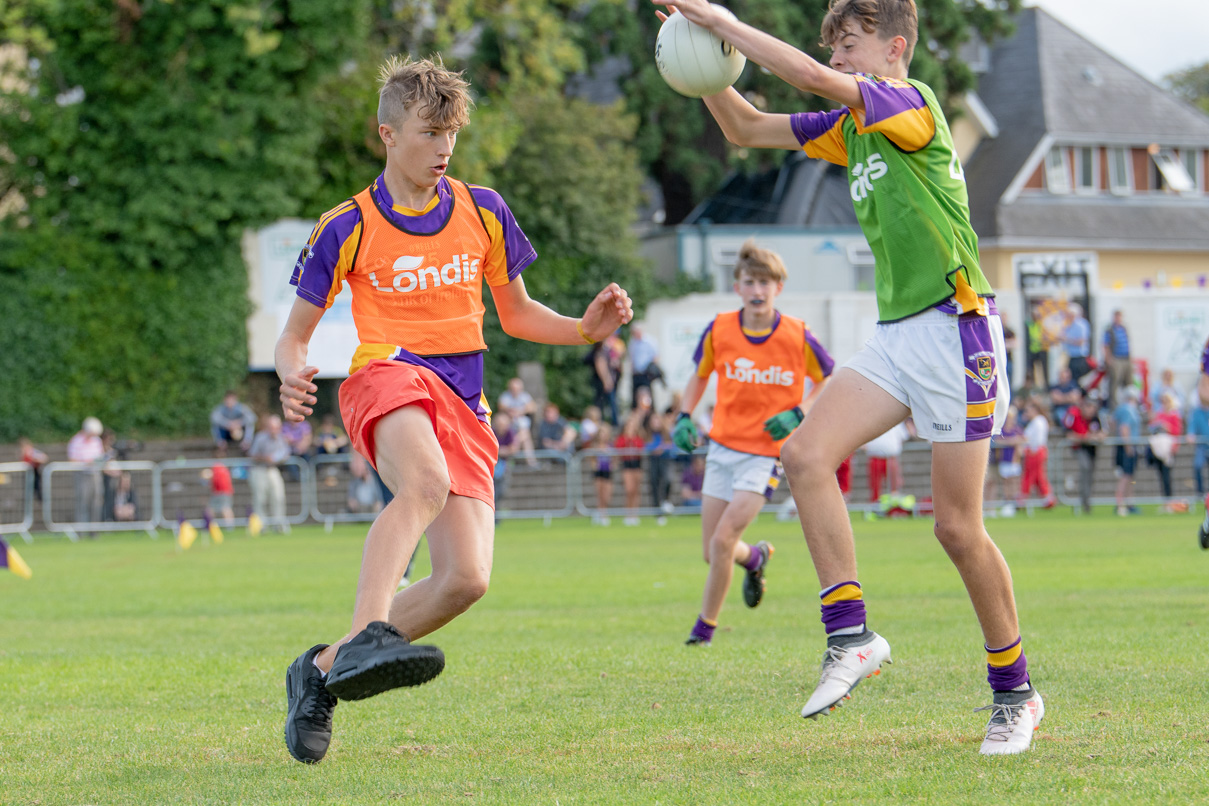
x=317 y=273
x=826 y=362
x=518 y=252
x=885 y=98
x=699 y=353
x=809 y=126
x=1204 y=358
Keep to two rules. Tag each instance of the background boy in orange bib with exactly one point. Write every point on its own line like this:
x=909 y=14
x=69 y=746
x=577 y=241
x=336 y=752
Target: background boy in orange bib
x=415 y=248
x=762 y=359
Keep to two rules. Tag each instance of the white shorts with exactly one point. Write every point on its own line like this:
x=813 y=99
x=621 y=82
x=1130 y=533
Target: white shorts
x=1009 y=470
x=948 y=369
x=727 y=470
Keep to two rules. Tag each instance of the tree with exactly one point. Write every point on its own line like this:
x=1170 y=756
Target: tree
x=141 y=139
x=1191 y=84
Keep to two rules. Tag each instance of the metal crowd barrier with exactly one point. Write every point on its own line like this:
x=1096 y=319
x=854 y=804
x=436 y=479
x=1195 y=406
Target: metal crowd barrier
x=16 y=499
x=83 y=511
x=186 y=491
x=1145 y=490
x=547 y=484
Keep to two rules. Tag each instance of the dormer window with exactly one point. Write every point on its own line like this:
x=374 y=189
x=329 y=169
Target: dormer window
x=1087 y=169
x=1172 y=174
x=1120 y=171
x=1057 y=170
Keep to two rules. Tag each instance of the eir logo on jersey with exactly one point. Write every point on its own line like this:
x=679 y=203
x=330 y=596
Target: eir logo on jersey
x=746 y=371
x=409 y=276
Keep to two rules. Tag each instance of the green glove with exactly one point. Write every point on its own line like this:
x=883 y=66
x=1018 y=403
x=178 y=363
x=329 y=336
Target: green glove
x=684 y=433
x=781 y=425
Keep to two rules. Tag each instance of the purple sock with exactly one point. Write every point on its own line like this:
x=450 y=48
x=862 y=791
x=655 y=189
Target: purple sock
x=1007 y=668
x=843 y=606
x=754 y=560
x=703 y=629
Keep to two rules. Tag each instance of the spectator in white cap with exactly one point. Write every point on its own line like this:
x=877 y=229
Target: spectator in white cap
x=85 y=447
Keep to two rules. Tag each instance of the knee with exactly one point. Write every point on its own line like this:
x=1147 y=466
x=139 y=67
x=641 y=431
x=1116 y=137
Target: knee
x=804 y=459
x=722 y=544
x=463 y=589
x=960 y=539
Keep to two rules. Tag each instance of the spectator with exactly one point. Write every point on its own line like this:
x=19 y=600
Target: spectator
x=364 y=494
x=1076 y=341
x=501 y=425
x=1127 y=426
x=1085 y=429
x=632 y=443
x=125 y=501
x=1198 y=436
x=110 y=474
x=588 y=427
x=1036 y=453
x=605 y=360
x=232 y=421
x=554 y=434
x=330 y=439
x=36 y=459
x=1010 y=344
x=602 y=475
x=1166 y=425
x=1038 y=351
x=86 y=447
x=659 y=461
x=268 y=450
x=1166 y=386
x=884 y=453
x=692 y=481
x=644 y=365
x=301 y=440
x=222 y=489
x=520 y=405
x=1064 y=394
x=1116 y=356
x=1005 y=455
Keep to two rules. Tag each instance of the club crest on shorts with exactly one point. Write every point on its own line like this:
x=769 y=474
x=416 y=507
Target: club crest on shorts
x=983 y=373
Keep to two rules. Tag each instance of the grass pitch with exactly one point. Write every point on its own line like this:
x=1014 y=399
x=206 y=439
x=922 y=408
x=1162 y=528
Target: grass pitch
x=131 y=673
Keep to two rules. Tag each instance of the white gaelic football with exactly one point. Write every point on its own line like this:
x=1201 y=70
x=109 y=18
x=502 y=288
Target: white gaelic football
x=693 y=61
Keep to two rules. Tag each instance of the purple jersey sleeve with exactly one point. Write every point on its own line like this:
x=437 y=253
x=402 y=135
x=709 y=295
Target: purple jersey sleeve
x=323 y=262
x=703 y=356
x=1205 y=359
x=823 y=358
x=896 y=109
x=821 y=134
x=510 y=247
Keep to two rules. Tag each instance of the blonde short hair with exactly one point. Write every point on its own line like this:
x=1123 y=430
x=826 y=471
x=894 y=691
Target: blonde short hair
x=426 y=86
x=760 y=264
x=886 y=18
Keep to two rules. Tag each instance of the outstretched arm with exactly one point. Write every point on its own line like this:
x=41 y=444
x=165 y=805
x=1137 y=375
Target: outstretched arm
x=523 y=317
x=780 y=58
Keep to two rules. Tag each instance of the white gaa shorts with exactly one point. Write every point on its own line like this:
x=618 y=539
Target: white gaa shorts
x=728 y=470
x=947 y=369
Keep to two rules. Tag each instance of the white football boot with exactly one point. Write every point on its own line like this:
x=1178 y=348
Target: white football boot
x=1014 y=717
x=849 y=659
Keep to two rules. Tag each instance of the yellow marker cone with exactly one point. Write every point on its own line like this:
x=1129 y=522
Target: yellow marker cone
x=10 y=558
x=254 y=525
x=186 y=535
x=215 y=533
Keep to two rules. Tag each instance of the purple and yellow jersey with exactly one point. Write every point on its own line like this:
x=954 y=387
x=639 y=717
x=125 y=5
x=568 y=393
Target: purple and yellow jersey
x=908 y=191
x=330 y=259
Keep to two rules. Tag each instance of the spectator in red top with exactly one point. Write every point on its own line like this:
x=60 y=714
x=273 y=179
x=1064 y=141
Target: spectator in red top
x=631 y=463
x=222 y=489
x=1166 y=425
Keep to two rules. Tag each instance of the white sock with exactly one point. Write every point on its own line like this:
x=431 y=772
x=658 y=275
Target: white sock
x=857 y=630
x=315 y=662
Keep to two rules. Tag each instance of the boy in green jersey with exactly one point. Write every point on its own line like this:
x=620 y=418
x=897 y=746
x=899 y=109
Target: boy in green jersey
x=938 y=352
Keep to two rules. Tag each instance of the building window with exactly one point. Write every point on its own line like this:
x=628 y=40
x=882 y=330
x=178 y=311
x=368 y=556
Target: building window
x=1191 y=158
x=1087 y=169
x=1120 y=171
x=1057 y=170
x=1172 y=175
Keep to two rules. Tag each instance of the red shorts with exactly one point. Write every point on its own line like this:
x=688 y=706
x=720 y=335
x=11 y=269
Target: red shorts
x=468 y=444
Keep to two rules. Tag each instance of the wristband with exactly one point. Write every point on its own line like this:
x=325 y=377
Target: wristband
x=579 y=328
x=683 y=415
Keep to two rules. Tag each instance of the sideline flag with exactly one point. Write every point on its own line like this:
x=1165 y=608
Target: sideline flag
x=10 y=559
